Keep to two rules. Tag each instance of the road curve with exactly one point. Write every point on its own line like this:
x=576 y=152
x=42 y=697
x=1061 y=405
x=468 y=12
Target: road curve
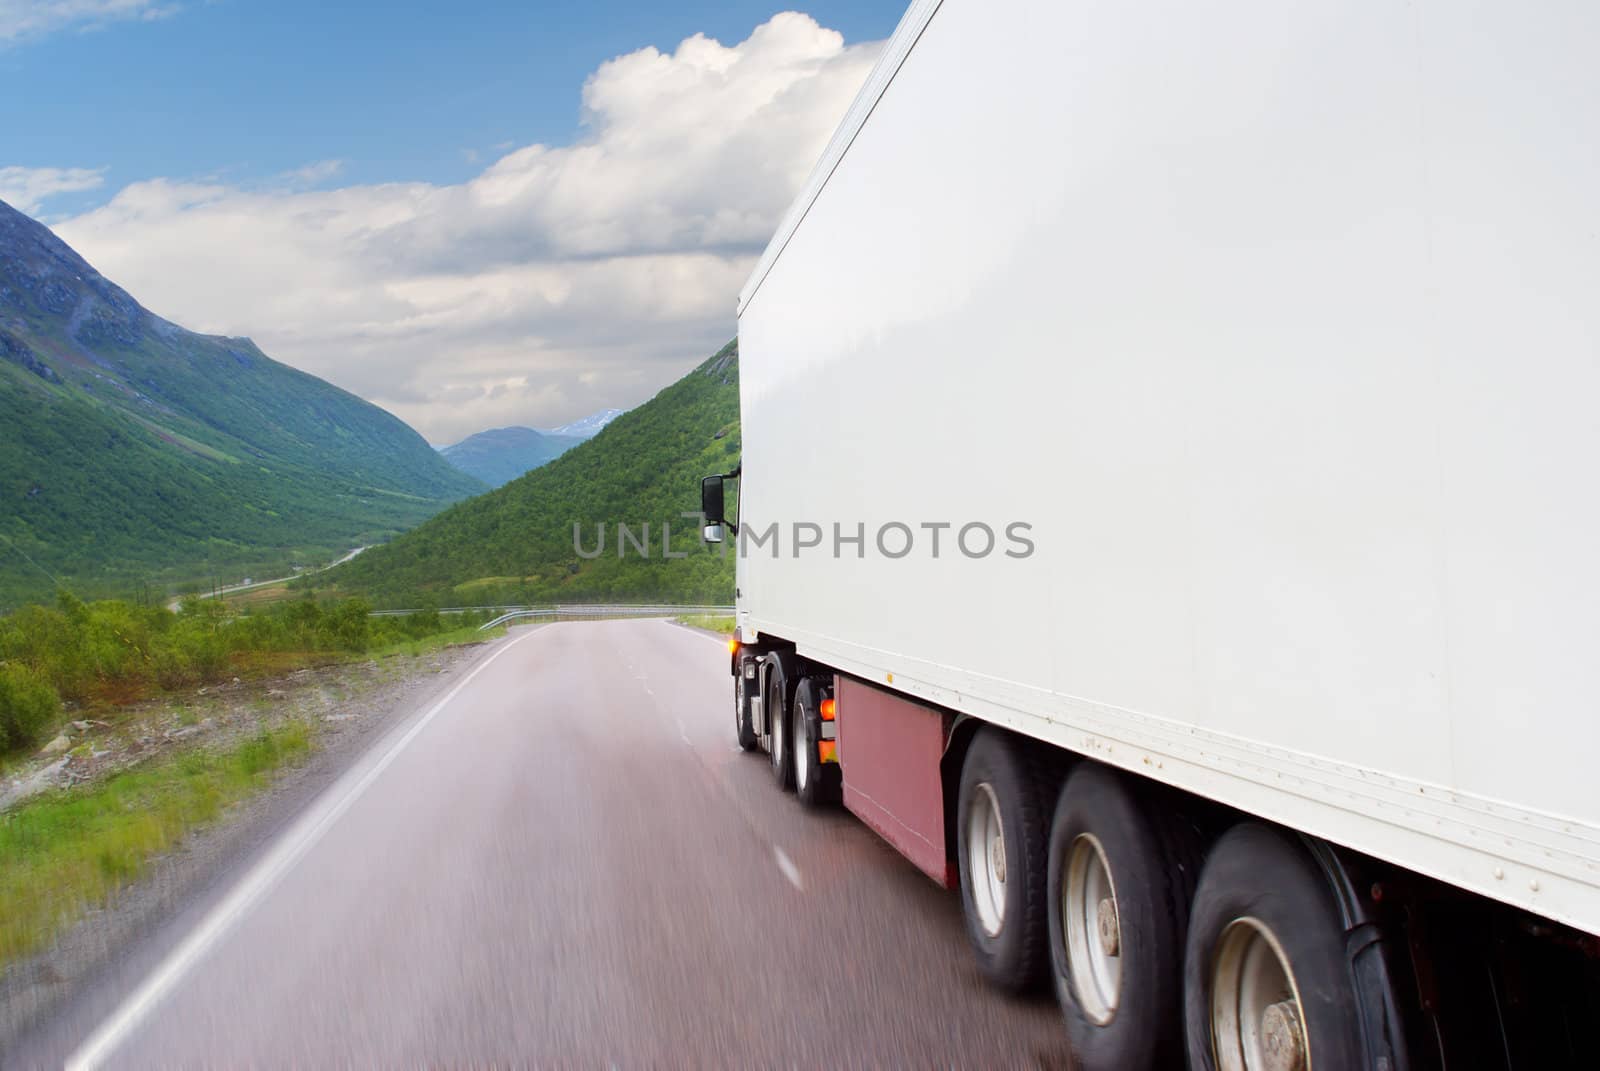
x=567 y=861
x=175 y=605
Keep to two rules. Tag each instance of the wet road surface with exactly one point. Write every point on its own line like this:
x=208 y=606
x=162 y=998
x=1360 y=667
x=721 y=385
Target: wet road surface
x=567 y=860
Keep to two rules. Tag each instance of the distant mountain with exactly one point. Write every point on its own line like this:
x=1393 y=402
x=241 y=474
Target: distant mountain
x=134 y=452
x=515 y=544
x=501 y=455
x=588 y=427
x=497 y=457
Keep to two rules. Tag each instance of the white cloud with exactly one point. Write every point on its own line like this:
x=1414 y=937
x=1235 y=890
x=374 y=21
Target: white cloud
x=20 y=19
x=27 y=188
x=559 y=281
x=315 y=174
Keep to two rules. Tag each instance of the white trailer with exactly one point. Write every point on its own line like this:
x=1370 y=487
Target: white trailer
x=1264 y=341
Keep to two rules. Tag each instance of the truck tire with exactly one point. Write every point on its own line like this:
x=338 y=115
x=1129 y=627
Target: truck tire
x=1120 y=881
x=815 y=782
x=1001 y=852
x=1266 y=976
x=743 y=728
x=780 y=692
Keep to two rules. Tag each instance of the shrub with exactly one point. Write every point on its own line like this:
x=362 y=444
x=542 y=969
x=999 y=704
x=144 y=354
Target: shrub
x=89 y=652
x=198 y=648
x=28 y=708
x=348 y=626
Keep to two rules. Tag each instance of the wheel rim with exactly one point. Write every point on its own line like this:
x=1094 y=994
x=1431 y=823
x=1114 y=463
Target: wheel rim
x=802 y=757
x=1093 y=927
x=738 y=705
x=986 y=860
x=1256 y=1019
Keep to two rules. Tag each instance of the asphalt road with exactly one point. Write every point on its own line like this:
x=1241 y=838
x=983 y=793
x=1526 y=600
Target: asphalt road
x=566 y=860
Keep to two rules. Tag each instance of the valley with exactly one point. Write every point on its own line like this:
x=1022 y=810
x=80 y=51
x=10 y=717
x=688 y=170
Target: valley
x=137 y=457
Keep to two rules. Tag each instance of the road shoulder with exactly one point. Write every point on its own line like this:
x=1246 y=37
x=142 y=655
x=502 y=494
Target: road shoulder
x=51 y=999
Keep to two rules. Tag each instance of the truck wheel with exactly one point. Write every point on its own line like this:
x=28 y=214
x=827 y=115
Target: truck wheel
x=815 y=782
x=778 y=742
x=742 y=726
x=1120 y=881
x=1001 y=854
x=1267 y=983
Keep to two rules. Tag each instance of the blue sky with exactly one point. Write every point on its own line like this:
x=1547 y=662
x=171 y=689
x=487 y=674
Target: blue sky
x=402 y=90
x=474 y=214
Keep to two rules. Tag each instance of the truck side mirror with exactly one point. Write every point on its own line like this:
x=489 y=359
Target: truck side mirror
x=711 y=504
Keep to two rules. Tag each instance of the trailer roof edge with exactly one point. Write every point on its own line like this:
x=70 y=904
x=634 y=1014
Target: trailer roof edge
x=906 y=35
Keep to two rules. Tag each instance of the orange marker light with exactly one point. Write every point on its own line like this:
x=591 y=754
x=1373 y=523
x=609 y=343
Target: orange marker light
x=733 y=646
x=828 y=710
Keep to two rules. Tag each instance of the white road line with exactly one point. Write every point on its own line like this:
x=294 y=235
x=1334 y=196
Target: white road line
x=261 y=879
x=696 y=632
x=786 y=865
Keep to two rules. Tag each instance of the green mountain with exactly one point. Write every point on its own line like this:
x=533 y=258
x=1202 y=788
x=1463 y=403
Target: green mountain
x=135 y=454
x=516 y=544
x=499 y=456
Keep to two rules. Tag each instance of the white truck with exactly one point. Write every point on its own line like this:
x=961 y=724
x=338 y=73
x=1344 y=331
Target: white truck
x=1168 y=512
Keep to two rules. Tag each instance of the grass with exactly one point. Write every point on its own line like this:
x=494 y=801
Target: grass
x=454 y=638
x=722 y=623
x=66 y=852
x=486 y=582
x=259 y=595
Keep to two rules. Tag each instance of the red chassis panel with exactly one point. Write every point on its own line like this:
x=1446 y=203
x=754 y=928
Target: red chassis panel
x=889 y=750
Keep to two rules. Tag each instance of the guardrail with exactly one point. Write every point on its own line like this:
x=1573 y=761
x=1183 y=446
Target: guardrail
x=557 y=612
x=511 y=613
x=445 y=610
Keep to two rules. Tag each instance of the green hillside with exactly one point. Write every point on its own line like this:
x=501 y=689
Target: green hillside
x=136 y=454
x=515 y=544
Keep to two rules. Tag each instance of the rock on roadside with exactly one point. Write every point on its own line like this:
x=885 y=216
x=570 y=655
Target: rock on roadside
x=41 y=780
